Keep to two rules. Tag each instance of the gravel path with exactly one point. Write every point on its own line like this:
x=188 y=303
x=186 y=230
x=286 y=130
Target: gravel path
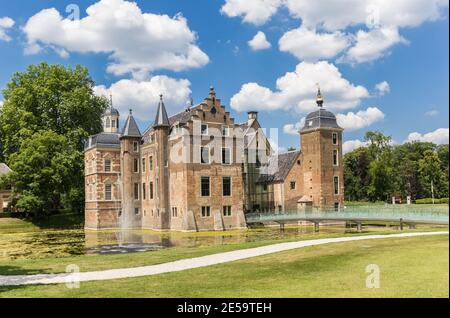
x=190 y=263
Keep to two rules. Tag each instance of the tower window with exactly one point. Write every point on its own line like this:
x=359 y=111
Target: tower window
x=107 y=165
x=206 y=211
x=143 y=165
x=225 y=131
x=108 y=192
x=108 y=122
x=226 y=186
x=143 y=191
x=335 y=138
x=113 y=123
x=136 y=211
x=151 y=163
x=135 y=165
x=135 y=146
x=151 y=190
x=205 y=185
x=174 y=212
x=336 y=206
x=335 y=157
x=336 y=184
x=136 y=191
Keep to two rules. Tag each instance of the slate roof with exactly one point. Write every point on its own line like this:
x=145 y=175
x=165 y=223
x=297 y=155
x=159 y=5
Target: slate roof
x=4 y=169
x=130 y=129
x=279 y=169
x=111 y=111
x=321 y=118
x=161 y=118
x=108 y=140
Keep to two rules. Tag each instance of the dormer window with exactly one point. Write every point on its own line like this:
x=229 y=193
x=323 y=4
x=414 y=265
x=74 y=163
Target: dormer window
x=204 y=130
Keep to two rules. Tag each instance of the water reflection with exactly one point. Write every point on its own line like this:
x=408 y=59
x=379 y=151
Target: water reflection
x=63 y=243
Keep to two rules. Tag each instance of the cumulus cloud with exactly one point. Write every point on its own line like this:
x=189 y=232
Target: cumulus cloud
x=372 y=45
x=143 y=96
x=259 y=42
x=432 y=113
x=361 y=119
x=351 y=145
x=256 y=12
x=382 y=88
x=5 y=24
x=136 y=42
x=297 y=90
x=307 y=45
x=439 y=136
x=293 y=129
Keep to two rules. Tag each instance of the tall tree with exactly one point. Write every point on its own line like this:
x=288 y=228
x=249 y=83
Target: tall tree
x=430 y=169
x=53 y=101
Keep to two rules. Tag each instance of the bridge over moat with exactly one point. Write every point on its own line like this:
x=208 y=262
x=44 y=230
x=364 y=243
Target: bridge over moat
x=401 y=214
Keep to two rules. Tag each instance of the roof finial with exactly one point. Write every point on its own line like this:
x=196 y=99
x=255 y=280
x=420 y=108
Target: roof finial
x=319 y=98
x=131 y=111
x=161 y=97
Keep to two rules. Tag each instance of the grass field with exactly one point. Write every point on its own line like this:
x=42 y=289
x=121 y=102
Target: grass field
x=409 y=267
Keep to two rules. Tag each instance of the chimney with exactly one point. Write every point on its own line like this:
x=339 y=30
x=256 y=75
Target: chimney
x=252 y=116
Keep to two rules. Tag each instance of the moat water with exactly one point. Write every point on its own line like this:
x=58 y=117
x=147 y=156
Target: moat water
x=63 y=243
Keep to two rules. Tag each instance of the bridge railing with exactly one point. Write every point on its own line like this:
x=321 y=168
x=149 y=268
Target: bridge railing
x=426 y=214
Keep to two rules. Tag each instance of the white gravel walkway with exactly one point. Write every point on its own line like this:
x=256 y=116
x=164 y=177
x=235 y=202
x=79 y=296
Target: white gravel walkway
x=190 y=263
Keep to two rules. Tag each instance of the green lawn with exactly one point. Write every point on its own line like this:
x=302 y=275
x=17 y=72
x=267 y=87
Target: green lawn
x=410 y=267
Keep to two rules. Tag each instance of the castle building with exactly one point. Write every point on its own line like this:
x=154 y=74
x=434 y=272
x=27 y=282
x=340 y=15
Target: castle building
x=199 y=170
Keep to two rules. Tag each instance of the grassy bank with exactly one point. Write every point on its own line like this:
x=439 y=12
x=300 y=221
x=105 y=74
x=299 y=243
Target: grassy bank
x=409 y=267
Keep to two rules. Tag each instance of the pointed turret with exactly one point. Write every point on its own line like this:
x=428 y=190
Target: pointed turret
x=161 y=118
x=131 y=129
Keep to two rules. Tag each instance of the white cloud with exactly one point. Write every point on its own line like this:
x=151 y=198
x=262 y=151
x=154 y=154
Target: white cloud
x=351 y=145
x=259 y=42
x=361 y=119
x=308 y=45
x=439 y=136
x=143 y=96
x=372 y=45
x=256 y=12
x=293 y=129
x=297 y=90
x=5 y=24
x=432 y=113
x=136 y=42
x=382 y=88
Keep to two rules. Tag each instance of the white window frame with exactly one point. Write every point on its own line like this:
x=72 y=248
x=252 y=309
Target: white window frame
x=227 y=129
x=338 y=185
x=110 y=165
x=209 y=155
x=231 y=156
x=144 y=164
x=231 y=186
x=230 y=210
x=138 y=191
x=135 y=146
x=136 y=165
x=207 y=208
x=209 y=191
x=111 y=191
x=337 y=157
x=337 y=138
x=207 y=129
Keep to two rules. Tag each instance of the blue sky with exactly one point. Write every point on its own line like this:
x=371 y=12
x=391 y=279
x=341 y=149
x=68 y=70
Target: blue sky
x=406 y=49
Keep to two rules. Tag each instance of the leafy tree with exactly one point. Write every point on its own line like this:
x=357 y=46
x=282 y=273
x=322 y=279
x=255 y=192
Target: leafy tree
x=430 y=169
x=58 y=103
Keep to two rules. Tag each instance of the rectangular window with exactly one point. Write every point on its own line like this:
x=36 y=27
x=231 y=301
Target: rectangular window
x=107 y=165
x=136 y=191
x=151 y=190
x=174 y=212
x=225 y=131
x=227 y=210
x=335 y=157
x=144 y=165
x=226 y=156
x=335 y=139
x=336 y=206
x=144 y=193
x=336 y=184
x=108 y=192
x=136 y=211
x=135 y=165
x=150 y=163
x=204 y=129
x=113 y=123
x=135 y=146
x=292 y=185
x=206 y=211
x=226 y=186
x=205 y=186
x=204 y=153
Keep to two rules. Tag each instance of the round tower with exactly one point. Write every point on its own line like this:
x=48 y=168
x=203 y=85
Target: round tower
x=321 y=146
